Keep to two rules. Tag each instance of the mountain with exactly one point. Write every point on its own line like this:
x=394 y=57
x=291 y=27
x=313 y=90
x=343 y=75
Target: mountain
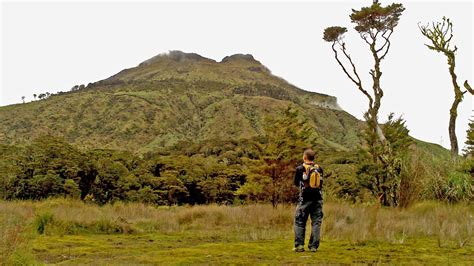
x=176 y=97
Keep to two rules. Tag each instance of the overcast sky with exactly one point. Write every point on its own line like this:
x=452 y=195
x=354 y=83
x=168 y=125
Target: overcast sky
x=51 y=46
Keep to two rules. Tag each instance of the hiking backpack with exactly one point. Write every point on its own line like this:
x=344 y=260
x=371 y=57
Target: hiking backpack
x=311 y=176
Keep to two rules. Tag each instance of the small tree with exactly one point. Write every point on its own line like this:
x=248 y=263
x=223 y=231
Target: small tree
x=71 y=189
x=23 y=99
x=383 y=178
x=172 y=189
x=34 y=96
x=286 y=137
x=106 y=186
x=469 y=149
x=440 y=35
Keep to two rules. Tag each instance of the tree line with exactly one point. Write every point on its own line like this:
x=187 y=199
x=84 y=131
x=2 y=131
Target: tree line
x=49 y=167
x=46 y=95
x=229 y=172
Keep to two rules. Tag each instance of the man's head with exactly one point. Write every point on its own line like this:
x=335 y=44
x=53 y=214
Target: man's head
x=308 y=155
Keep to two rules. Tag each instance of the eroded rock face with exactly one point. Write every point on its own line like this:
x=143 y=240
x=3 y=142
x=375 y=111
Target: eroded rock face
x=329 y=103
x=264 y=90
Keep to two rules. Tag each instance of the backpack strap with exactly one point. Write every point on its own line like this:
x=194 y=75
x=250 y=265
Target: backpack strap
x=309 y=169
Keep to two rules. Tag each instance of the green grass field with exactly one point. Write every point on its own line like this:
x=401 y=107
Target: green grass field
x=71 y=232
x=193 y=248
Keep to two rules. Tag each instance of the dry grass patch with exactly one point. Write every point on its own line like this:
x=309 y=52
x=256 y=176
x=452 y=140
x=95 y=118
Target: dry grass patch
x=450 y=226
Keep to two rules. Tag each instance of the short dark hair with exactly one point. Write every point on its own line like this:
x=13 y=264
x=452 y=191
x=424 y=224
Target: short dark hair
x=310 y=154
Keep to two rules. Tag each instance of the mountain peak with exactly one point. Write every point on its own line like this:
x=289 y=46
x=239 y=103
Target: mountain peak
x=178 y=56
x=239 y=57
x=245 y=60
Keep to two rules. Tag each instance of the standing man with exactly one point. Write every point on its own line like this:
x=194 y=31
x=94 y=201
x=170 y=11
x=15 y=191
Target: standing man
x=308 y=178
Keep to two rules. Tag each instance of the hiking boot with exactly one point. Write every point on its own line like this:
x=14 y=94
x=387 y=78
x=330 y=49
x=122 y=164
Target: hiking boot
x=313 y=249
x=298 y=249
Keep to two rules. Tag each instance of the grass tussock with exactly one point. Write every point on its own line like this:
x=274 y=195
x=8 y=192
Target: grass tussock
x=13 y=234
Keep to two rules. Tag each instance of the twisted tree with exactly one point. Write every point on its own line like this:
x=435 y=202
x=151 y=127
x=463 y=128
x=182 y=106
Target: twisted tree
x=375 y=25
x=440 y=34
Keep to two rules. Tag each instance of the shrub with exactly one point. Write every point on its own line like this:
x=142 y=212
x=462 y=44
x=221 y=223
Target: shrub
x=41 y=221
x=455 y=188
x=415 y=168
x=71 y=189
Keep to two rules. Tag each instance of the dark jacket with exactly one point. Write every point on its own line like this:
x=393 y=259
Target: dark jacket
x=308 y=194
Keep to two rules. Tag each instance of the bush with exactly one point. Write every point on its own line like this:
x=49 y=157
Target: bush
x=71 y=189
x=41 y=221
x=455 y=188
x=415 y=168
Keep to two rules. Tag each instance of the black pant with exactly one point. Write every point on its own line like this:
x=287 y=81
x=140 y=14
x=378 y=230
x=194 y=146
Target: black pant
x=304 y=209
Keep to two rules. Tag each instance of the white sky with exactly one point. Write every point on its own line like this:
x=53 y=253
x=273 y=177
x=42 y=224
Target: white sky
x=51 y=46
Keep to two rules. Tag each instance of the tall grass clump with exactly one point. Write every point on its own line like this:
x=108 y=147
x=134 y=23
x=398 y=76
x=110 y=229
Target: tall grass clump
x=10 y=240
x=414 y=170
x=14 y=232
x=41 y=221
x=455 y=188
x=450 y=182
x=425 y=177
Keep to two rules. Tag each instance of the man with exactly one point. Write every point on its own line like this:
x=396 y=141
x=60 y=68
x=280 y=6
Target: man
x=308 y=178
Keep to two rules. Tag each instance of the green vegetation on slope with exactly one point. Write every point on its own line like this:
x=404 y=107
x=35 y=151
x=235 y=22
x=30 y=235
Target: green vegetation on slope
x=172 y=98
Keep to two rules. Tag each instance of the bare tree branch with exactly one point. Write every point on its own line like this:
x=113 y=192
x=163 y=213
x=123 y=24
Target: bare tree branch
x=387 y=41
x=386 y=44
x=342 y=65
x=352 y=63
x=364 y=37
x=468 y=87
x=355 y=80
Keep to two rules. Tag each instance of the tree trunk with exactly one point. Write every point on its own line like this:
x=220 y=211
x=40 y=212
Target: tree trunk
x=274 y=188
x=373 y=114
x=452 y=128
x=376 y=74
x=274 y=200
x=458 y=95
x=380 y=134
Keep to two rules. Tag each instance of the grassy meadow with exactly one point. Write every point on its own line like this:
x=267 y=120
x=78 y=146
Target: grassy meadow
x=64 y=231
